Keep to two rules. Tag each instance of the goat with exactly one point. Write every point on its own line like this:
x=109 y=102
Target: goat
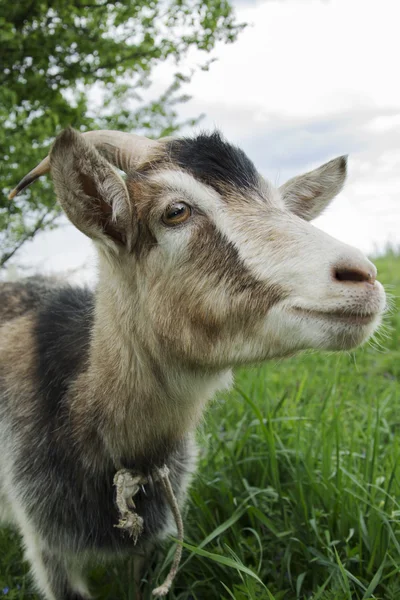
x=203 y=266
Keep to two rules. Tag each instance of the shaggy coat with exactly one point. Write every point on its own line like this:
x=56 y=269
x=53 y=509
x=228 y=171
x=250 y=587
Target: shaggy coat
x=203 y=265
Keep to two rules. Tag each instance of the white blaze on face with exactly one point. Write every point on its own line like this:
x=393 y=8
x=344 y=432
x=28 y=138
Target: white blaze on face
x=280 y=248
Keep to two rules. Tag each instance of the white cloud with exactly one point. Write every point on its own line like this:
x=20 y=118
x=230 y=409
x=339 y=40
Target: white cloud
x=64 y=250
x=307 y=81
x=309 y=58
x=386 y=123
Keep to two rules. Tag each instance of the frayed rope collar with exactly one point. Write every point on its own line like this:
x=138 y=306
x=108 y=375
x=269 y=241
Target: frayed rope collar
x=127 y=485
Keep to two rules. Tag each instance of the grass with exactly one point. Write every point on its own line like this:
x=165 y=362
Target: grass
x=298 y=491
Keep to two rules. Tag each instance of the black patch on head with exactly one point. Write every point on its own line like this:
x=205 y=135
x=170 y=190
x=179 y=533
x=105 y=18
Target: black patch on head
x=212 y=160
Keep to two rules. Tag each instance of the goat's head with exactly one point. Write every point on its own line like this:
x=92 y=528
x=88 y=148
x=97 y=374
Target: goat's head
x=223 y=268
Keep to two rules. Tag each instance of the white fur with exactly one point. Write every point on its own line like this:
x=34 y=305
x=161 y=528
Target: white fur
x=166 y=335
x=280 y=248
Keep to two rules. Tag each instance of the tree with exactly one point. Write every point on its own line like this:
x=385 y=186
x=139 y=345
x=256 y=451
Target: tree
x=59 y=58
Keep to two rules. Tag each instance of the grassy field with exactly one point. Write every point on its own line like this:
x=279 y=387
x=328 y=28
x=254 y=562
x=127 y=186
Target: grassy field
x=298 y=492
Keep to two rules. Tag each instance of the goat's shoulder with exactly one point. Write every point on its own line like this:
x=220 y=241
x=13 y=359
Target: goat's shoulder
x=46 y=345
x=62 y=333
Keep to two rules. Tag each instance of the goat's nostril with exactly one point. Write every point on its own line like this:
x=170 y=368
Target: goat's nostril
x=353 y=274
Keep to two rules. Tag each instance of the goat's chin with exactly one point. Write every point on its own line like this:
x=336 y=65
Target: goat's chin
x=334 y=332
x=300 y=329
x=349 y=337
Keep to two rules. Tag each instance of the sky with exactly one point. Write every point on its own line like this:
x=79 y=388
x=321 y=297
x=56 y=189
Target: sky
x=308 y=80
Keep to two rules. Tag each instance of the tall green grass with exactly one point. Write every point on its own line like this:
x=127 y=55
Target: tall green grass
x=298 y=491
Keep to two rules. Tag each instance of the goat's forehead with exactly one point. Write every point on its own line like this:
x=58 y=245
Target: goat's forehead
x=213 y=161
x=188 y=187
x=230 y=199
x=211 y=172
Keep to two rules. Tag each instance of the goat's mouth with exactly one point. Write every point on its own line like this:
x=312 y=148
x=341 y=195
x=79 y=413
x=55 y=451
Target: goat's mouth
x=337 y=316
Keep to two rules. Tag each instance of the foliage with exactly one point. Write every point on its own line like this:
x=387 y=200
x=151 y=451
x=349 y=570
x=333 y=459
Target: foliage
x=298 y=493
x=86 y=63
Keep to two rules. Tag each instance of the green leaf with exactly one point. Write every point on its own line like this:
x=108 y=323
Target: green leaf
x=224 y=560
x=52 y=56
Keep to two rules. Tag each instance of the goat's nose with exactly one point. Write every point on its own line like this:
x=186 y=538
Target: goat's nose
x=355 y=273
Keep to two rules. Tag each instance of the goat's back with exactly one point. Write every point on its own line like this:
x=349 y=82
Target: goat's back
x=20 y=297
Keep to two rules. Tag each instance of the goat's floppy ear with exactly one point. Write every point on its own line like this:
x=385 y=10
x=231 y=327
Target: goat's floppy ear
x=307 y=195
x=92 y=194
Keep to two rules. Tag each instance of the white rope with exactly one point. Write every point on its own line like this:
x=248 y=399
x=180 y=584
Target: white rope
x=163 y=589
x=127 y=486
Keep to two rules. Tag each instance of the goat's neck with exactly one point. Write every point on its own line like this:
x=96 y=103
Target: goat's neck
x=147 y=402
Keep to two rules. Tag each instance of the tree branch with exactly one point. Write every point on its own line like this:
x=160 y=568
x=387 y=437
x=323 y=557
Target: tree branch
x=27 y=236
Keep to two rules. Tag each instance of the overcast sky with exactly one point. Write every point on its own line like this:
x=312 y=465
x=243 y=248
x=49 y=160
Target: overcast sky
x=308 y=80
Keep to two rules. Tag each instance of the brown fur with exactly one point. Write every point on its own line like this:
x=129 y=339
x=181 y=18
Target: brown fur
x=175 y=308
x=18 y=364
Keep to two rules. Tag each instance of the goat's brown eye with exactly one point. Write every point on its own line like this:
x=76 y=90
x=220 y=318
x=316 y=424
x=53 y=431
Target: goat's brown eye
x=176 y=214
